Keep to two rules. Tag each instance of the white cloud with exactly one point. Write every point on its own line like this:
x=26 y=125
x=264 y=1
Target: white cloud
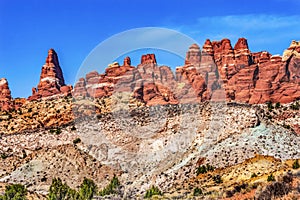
x=253 y=22
x=264 y=32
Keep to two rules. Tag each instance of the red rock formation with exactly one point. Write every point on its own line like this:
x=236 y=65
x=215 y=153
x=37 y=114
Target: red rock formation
x=80 y=89
x=218 y=72
x=51 y=79
x=240 y=87
x=208 y=48
x=148 y=59
x=6 y=102
x=115 y=78
x=144 y=82
x=242 y=53
x=208 y=69
x=155 y=94
x=191 y=85
x=193 y=56
x=127 y=61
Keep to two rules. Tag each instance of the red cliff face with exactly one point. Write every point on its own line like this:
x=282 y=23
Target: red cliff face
x=6 y=102
x=51 y=79
x=218 y=72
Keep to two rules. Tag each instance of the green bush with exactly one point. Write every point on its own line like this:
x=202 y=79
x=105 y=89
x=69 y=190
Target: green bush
x=295 y=106
x=296 y=164
x=152 y=191
x=72 y=195
x=24 y=154
x=277 y=105
x=217 y=179
x=197 y=192
x=270 y=106
x=56 y=131
x=275 y=190
x=204 y=169
x=111 y=187
x=271 y=177
x=4 y=155
x=61 y=191
x=253 y=175
x=286 y=126
x=14 y=192
x=76 y=141
x=87 y=189
x=58 y=190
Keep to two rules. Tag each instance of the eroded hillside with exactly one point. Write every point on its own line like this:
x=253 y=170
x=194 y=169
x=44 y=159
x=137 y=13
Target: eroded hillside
x=158 y=145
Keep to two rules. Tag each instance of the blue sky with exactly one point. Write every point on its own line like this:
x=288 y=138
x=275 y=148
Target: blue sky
x=74 y=28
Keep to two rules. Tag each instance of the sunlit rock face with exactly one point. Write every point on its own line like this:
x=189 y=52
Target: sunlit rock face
x=218 y=72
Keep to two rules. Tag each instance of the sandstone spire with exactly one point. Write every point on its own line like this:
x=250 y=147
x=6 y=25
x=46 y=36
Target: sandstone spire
x=51 y=80
x=5 y=95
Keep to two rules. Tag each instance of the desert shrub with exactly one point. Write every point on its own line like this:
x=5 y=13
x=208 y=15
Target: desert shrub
x=217 y=179
x=76 y=141
x=56 y=131
x=19 y=111
x=229 y=193
x=72 y=195
x=197 y=192
x=286 y=126
x=87 y=189
x=73 y=128
x=4 y=155
x=274 y=190
x=24 y=154
x=239 y=188
x=296 y=164
x=14 y=192
x=277 y=105
x=270 y=106
x=253 y=175
x=111 y=188
x=295 y=106
x=152 y=191
x=287 y=178
x=271 y=177
x=204 y=169
x=61 y=191
x=58 y=190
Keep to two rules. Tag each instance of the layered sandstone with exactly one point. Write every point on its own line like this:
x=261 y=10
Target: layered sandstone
x=193 y=56
x=147 y=82
x=51 y=80
x=218 y=72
